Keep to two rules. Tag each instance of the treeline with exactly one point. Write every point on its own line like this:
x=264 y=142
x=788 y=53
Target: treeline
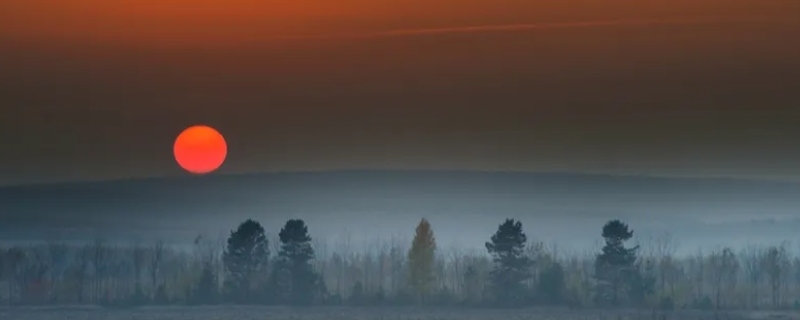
x=250 y=268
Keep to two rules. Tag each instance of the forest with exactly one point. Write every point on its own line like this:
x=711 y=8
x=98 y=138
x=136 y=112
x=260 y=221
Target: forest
x=248 y=267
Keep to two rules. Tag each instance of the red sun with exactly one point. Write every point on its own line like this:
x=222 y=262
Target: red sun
x=200 y=149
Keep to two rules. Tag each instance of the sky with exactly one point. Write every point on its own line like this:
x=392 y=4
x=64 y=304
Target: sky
x=96 y=90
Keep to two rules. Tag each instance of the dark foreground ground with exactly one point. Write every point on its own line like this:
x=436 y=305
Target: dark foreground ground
x=334 y=313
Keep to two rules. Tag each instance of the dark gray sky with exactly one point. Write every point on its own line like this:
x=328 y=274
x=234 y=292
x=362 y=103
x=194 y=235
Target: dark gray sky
x=102 y=94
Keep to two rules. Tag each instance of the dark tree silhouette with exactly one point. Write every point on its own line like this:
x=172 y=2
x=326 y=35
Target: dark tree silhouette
x=615 y=265
x=421 y=257
x=511 y=269
x=245 y=256
x=294 y=276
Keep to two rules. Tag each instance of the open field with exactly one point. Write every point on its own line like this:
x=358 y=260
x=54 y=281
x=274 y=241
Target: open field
x=341 y=313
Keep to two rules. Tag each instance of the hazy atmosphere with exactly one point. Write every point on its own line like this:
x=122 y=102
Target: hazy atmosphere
x=354 y=159
x=557 y=208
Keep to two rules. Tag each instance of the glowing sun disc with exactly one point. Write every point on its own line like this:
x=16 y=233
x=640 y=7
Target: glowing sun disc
x=200 y=149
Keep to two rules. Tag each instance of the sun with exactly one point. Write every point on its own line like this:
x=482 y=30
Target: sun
x=200 y=149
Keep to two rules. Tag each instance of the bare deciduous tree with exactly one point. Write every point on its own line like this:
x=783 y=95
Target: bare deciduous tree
x=752 y=261
x=775 y=262
x=155 y=265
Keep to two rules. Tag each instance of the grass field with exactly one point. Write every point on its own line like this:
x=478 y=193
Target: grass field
x=336 y=313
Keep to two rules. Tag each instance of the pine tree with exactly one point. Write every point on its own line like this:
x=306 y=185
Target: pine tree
x=421 y=260
x=512 y=267
x=294 y=275
x=615 y=266
x=245 y=257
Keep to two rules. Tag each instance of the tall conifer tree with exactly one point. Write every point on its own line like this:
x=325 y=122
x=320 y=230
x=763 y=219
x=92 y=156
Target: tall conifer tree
x=421 y=260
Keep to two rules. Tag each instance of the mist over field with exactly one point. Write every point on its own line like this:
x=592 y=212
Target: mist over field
x=563 y=209
x=415 y=244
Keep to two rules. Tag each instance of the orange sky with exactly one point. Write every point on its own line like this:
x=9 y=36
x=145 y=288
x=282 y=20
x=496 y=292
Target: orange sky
x=210 y=22
x=80 y=78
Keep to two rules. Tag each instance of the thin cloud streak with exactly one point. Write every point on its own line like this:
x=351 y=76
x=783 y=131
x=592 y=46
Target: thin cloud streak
x=525 y=27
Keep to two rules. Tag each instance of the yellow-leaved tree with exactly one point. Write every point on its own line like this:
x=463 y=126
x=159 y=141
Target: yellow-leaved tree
x=421 y=260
